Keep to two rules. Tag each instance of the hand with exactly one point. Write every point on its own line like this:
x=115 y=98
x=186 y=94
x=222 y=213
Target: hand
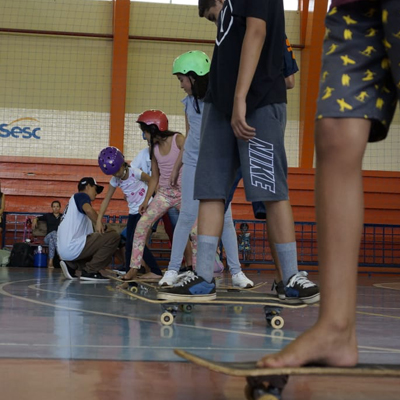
x=173 y=179
x=99 y=227
x=143 y=207
x=238 y=121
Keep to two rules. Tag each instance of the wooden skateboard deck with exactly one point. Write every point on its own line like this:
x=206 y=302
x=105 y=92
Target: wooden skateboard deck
x=268 y=383
x=231 y=288
x=151 y=282
x=272 y=304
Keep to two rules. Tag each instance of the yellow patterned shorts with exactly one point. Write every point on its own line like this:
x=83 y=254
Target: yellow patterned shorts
x=360 y=76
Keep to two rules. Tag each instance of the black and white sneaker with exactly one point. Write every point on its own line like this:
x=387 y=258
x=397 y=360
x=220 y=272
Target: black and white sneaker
x=68 y=272
x=190 y=288
x=298 y=288
x=279 y=288
x=95 y=277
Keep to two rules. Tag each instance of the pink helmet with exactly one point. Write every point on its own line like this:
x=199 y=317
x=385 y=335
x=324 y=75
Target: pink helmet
x=110 y=160
x=154 y=117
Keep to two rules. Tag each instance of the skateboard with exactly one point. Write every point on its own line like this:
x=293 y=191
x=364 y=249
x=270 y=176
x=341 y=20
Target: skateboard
x=230 y=288
x=136 y=285
x=268 y=383
x=271 y=303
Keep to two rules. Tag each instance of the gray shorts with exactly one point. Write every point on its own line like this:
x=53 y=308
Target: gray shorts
x=262 y=159
x=360 y=76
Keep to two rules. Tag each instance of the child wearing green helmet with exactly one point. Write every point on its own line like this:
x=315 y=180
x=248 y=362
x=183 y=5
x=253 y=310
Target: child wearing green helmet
x=192 y=70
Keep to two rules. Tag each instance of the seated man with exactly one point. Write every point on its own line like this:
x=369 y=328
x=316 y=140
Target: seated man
x=52 y=221
x=77 y=245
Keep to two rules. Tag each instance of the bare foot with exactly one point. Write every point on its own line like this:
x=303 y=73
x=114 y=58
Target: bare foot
x=125 y=285
x=319 y=345
x=130 y=275
x=151 y=276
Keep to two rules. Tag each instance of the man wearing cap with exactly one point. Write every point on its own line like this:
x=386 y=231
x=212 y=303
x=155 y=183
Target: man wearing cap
x=79 y=247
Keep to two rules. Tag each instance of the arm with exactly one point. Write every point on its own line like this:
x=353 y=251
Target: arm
x=290 y=82
x=36 y=219
x=90 y=212
x=99 y=222
x=153 y=182
x=139 y=174
x=187 y=126
x=256 y=30
x=145 y=177
x=180 y=141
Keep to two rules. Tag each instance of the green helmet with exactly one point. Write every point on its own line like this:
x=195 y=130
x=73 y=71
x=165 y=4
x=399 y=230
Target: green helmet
x=193 y=61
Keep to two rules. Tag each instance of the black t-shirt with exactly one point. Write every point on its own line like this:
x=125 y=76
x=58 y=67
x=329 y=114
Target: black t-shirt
x=268 y=85
x=52 y=221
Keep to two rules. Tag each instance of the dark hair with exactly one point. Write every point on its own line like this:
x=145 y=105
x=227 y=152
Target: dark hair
x=199 y=87
x=244 y=226
x=205 y=5
x=55 y=201
x=155 y=133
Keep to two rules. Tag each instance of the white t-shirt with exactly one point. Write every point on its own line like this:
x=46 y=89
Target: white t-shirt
x=73 y=229
x=142 y=161
x=134 y=189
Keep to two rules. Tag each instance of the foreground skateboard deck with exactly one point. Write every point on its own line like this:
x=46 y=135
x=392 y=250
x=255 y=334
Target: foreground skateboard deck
x=268 y=383
x=272 y=304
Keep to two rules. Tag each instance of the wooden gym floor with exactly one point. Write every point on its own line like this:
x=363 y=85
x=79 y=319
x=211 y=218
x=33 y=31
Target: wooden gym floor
x=69 y=340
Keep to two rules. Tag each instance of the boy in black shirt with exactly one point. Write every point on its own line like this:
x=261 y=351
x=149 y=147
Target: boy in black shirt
x=243 y=125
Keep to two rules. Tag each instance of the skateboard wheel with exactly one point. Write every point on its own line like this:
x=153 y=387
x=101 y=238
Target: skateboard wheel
x=167 y=318
x=133 y=289
x=277 y=322
x=187 y=308
x=238 y=309
x=252 y=393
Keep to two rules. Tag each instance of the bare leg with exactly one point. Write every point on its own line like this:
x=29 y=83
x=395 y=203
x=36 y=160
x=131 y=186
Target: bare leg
x=211 y=217
x=340 y=146
x=188 y=254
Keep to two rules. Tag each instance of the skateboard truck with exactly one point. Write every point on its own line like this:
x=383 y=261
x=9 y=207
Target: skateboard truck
x=256 y=389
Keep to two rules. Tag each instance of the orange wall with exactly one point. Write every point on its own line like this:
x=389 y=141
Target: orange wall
x=58 y=178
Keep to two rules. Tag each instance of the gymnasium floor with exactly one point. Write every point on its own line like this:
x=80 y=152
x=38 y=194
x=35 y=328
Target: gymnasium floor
x=69 y=340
